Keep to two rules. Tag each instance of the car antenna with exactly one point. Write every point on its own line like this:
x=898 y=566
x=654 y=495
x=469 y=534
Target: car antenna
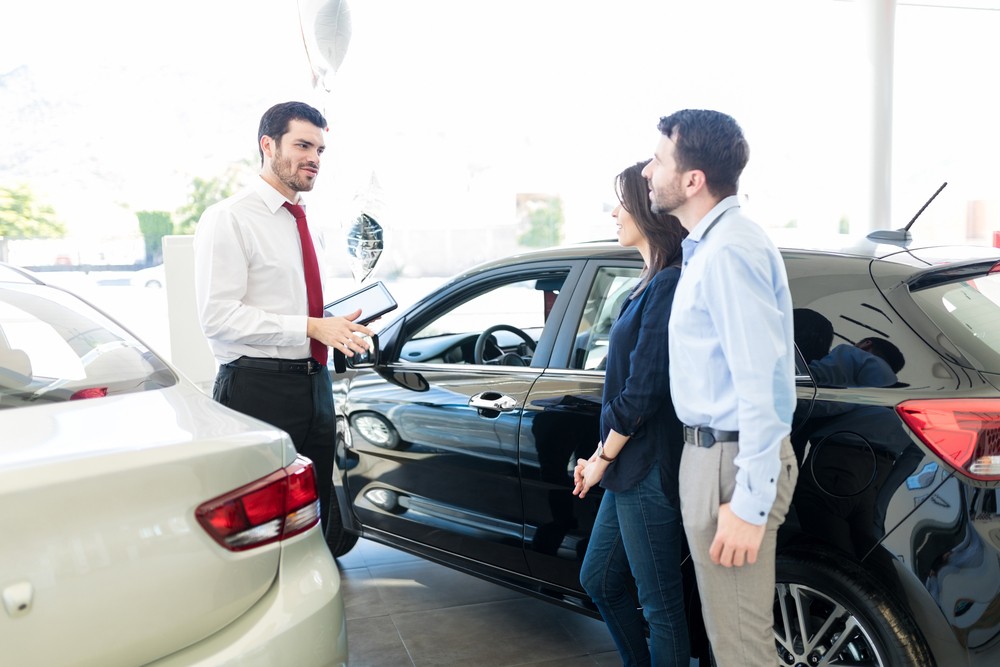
x=903 y=235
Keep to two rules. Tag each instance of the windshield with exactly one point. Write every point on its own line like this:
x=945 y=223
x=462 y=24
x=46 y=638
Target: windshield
x=54 y=347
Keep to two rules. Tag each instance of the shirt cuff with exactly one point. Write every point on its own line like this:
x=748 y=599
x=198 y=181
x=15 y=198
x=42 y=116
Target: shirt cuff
x=750 y=507
x=296 y=326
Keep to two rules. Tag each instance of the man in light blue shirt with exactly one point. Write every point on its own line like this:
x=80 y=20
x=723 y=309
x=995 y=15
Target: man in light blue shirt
x=732 y=378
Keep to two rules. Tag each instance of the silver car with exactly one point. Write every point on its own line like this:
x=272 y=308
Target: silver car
x=141 y=523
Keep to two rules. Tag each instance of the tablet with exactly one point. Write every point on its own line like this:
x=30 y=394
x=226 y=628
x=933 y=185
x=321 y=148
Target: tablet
x=374 y=301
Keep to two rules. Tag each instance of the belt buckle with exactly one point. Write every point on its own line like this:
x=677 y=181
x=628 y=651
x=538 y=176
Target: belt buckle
x=697 y=437
x=312 y=367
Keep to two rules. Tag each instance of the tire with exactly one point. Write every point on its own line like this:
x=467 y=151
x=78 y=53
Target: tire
x=376 y=429
x=337 y=538
x=848 y=617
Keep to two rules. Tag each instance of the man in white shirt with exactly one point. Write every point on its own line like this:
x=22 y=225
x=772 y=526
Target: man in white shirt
x=259 y=294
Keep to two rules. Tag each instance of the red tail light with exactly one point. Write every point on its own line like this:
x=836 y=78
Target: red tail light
x=963 y=432
x=273 y=508
x=93 y=392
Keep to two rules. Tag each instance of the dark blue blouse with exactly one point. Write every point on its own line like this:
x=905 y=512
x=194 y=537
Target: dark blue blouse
x=636 y=398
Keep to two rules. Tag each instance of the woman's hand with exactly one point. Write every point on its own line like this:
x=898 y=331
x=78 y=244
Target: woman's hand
x=588 y=472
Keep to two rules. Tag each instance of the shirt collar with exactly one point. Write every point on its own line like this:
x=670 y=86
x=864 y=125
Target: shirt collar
x=701 y=229
x=272 y=198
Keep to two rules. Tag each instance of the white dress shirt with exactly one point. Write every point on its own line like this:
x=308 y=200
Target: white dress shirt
x=732 y=357
x=249 y=280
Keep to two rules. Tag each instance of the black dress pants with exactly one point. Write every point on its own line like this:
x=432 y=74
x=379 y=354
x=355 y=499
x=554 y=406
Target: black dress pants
x=297 y=403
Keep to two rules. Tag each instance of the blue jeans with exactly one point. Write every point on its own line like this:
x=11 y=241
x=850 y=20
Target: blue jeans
x=637 y=534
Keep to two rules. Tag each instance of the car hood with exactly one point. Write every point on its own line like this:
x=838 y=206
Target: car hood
x=97 y=502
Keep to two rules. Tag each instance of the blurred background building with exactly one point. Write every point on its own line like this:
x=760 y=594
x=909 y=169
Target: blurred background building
x=491 y=127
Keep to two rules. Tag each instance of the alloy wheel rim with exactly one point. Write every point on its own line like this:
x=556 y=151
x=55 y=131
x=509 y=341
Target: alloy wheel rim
x=812 y=629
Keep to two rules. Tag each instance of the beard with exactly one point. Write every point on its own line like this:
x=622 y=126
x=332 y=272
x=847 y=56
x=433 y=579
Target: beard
x=289 y=174
x=667 y=199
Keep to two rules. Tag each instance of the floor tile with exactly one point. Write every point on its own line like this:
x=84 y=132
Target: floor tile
x=609 y=659
x=361 y=594
x=510 y=632
x=374 y=642
x=404 y=611
x=422 y=585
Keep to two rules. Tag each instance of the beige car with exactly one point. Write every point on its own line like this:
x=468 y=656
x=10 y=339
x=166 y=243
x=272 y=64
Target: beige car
x=141 y=523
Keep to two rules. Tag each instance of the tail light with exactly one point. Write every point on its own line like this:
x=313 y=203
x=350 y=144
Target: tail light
x=273 y=508
x=963 y=432
x=92 y=392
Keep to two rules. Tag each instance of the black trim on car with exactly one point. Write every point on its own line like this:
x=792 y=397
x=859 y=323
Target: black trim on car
x=953 y=273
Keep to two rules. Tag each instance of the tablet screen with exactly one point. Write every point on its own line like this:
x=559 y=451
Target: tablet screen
x=374 y=301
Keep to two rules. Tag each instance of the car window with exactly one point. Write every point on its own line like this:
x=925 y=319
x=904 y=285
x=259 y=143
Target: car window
x=611 y=286
x=53 y=347
x=846 y=331
x=968 y=313
x=522 y=304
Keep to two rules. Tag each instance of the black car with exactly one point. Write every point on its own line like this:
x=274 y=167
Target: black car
x=458 y=443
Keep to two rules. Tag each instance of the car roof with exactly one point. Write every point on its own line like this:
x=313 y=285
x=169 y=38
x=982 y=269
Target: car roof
x=13 y=274
x=916 y=256
x=577 y=251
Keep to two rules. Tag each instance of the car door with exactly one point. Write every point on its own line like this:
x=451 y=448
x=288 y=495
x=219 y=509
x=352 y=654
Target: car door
x=561 y=423
x=432 y=438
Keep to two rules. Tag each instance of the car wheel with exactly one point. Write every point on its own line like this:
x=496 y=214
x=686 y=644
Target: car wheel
x=376 y=429
x=838 y=614
x=337 y=539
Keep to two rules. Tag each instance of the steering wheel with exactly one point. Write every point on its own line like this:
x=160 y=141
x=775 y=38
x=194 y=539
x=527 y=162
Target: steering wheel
x=507 y=358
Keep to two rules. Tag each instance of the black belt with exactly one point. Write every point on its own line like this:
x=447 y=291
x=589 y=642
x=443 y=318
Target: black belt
x=703 y=436
x=290 y=366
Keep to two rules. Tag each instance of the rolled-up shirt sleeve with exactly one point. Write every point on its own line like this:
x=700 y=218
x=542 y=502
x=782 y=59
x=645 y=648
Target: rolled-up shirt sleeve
x=743 y=285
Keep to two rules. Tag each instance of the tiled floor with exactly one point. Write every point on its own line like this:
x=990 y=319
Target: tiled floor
x=403 y=611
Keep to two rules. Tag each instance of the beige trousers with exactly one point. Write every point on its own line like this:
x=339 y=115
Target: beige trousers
x=737 y=602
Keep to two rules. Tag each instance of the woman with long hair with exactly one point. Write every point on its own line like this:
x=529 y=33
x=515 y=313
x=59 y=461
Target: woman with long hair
x=637 y=532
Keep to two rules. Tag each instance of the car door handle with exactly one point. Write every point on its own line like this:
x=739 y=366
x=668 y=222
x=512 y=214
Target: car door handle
x=491 y=400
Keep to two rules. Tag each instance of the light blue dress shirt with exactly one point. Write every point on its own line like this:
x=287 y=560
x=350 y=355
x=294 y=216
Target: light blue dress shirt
x=732 y=356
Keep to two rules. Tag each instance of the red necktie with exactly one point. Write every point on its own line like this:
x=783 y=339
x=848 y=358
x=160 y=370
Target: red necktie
x=314 y=286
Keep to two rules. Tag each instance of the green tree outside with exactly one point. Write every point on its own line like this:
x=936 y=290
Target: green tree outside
x=207 y=191
x=22 y=216
x=154 y=225
x=545 y=224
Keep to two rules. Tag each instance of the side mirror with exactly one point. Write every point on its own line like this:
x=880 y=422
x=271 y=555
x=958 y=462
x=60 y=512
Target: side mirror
x=366 y=359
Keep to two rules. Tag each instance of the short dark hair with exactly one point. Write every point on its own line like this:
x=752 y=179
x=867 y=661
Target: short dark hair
x=663 y=231
x=813 y=333
x=880 y=347
x=711 y=142
x=274 y=122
